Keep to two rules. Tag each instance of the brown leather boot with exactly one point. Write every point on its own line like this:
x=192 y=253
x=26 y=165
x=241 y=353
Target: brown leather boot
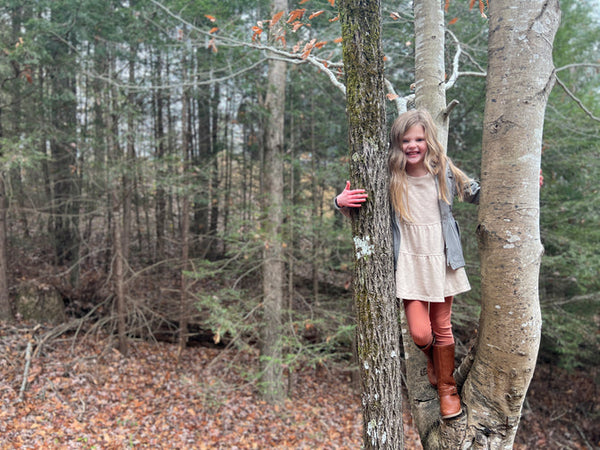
x=428 y=350
x=443 y=359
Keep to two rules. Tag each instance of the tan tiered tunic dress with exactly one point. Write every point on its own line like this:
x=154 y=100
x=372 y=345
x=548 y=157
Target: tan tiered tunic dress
x=422 y=272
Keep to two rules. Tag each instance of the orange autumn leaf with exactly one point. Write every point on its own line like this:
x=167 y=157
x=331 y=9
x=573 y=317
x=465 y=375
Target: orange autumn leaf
x=315 y=14
x=332 y=2
x=447 y=5
x=335 y=19
x=308 y=48
x=296 y=15
x=453 y=21
x=212 y=30
x=337 y=40
x=320 y=44
x=211 y=18
x=296 y=25
x=302 y=1
x=257 y=32
x=282 y=39
x=481 y=7
x=395 y=15
x=276 y=18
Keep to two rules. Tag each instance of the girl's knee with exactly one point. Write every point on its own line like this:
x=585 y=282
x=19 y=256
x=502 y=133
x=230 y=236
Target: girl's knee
x=422 y=339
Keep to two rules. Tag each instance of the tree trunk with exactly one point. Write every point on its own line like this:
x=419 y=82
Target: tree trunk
x=430 y=94
x=377 y=334
x=5 y=309
x=273 y=267
x=130 y=159
x=119 y=283
x=159 y=132
x=215 y=179
x=430 y=68
x=184 y=307
x=520 y=77
x=63 y=144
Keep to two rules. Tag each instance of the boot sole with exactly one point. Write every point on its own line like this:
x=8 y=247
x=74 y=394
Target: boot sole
x=450 y=416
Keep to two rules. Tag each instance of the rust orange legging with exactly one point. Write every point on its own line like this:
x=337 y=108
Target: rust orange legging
x=425 y=318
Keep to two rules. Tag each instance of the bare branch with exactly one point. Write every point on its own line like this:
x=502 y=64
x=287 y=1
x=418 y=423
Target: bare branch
x=576 y=99
x=570 y=66
x=136 y=88
x=400 y=102
x=456 y=73
x=294 y=58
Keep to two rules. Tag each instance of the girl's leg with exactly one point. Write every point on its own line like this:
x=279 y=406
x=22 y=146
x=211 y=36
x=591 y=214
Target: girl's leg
x=440 y=315
x=419 y=324
x=443 y=358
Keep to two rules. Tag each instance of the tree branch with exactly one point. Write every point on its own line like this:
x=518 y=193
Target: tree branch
x=456 y=73
x=573 y=96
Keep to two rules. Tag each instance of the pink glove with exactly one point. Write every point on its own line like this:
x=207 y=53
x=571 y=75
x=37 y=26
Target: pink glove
x=351 y=198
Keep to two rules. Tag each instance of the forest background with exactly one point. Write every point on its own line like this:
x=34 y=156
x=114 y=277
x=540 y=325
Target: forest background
x=132 y=144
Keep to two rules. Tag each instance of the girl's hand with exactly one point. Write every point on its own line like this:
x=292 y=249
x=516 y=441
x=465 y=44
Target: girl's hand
x=351 y=198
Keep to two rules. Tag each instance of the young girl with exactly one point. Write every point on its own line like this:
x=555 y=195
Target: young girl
x=428 y=256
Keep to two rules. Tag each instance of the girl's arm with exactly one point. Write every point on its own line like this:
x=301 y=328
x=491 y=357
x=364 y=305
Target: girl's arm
x=471 y=192
x=349 y=198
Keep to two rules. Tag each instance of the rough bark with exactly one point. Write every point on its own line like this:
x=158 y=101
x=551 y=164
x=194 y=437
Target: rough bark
x=377 y=334
x=273 y=267
x=520 y=77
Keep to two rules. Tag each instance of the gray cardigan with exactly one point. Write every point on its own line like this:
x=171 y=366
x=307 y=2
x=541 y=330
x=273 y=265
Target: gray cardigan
x=450 y=229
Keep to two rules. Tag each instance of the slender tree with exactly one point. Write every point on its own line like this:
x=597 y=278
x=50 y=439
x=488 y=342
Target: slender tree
x=273 y=258
x=5 y=309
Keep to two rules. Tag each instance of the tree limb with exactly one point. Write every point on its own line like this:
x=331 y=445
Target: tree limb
x=573 y=96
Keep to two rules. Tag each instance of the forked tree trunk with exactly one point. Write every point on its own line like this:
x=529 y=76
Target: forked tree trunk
x=377 y=333
x=520 y=77
x=430 y=94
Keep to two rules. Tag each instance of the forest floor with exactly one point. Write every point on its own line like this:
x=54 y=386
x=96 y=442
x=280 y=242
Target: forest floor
x=85 y=395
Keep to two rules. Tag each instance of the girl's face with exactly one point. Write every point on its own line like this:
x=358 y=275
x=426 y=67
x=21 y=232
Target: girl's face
x=414 y=147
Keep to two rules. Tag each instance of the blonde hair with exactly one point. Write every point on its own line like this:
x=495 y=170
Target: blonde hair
x=436 y=162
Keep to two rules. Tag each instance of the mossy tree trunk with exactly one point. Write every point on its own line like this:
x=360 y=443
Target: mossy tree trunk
x=377 y=333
